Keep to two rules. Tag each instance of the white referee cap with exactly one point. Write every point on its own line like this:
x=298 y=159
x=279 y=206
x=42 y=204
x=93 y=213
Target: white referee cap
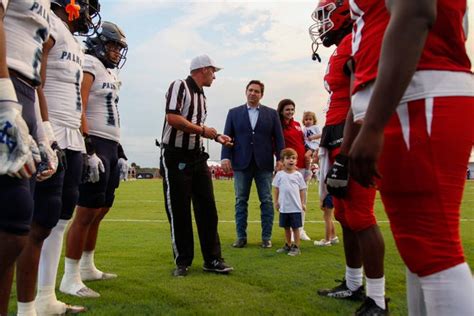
x=202 y=61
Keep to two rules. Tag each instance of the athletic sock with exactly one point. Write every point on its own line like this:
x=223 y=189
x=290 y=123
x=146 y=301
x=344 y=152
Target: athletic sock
x=353 y=278
x=376 y=290
x=87 y=261
x=87 y=266
x=50 y=254
x=26 y=309
x=449 y=292
x=71 y=269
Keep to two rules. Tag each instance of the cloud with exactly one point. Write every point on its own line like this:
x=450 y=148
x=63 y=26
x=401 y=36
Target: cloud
x=266 y=40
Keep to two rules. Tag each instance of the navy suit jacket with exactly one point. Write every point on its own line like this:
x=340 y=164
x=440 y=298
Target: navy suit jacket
x=261 y=143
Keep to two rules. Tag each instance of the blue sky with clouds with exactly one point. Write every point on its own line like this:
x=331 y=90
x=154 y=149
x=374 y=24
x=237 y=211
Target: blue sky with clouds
x=265 y=40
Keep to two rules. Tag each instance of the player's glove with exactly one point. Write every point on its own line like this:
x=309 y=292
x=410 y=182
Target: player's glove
x=337 y=178
x=60 y=154
x=29 y=168
x=94 y=167
x=49 y=162
x=122 y=163
x=15 y=153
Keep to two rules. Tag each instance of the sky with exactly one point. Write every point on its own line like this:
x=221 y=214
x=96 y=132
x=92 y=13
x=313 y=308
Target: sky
x=259 y=39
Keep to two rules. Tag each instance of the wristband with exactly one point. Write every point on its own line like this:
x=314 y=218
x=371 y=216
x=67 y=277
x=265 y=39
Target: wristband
x=217 y=136
x=203 y=130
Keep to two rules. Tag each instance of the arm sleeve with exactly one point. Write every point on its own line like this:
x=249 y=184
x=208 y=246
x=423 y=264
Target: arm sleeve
x=175 y=97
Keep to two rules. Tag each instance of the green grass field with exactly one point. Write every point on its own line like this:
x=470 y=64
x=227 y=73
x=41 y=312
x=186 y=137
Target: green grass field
x=135 y=243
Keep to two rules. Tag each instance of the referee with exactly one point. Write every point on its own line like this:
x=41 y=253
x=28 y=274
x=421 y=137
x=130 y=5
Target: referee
x=186 y=176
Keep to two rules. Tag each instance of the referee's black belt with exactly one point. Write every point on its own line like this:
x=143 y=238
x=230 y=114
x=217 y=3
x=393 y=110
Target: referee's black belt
x=178 y=150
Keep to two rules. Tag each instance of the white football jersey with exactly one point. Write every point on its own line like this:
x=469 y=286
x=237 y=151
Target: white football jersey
x=62 y=87
x=102 y=112
x=26 y=27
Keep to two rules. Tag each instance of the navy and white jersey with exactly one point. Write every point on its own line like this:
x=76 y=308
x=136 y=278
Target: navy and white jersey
x=184 y=98
x=102 y=107
x=62 y=87
x=27 y=27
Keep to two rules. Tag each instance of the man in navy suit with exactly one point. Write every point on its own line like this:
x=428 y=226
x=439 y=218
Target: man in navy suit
x=258 y=137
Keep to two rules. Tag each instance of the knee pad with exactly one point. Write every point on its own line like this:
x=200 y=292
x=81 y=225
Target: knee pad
x=69 y=201
x=17 y=205
x=359 y=207
x=48 y=201
x=339 y=212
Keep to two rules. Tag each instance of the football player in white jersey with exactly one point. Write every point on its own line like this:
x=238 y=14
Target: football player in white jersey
x=55 y=198
x=23 y=31
x=100 y=87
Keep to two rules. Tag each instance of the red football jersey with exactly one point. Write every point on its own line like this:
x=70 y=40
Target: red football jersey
x=370 y=21
x=337 y=83
x=444 y=49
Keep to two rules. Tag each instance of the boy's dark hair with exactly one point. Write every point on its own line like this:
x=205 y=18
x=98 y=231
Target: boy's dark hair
x=288 y=152
x=257 y=82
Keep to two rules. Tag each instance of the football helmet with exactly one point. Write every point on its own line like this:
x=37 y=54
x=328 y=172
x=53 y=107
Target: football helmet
x=332 y=22
x=87 y=19
x=109 y=33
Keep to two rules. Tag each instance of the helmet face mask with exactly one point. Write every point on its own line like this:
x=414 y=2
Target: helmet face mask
x=110 y=45
x=332 y=22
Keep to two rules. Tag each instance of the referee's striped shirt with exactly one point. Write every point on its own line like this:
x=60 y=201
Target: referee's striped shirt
x=185 y=98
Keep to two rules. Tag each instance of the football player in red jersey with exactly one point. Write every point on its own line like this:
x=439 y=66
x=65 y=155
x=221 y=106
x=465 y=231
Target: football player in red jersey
x=419 y=129
x=354 y=205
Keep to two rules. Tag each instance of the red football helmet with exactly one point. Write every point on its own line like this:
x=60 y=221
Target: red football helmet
x=333 y=21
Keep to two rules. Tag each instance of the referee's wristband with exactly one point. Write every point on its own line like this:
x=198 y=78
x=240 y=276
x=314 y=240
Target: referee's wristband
x=217 y=136
x=203 y=130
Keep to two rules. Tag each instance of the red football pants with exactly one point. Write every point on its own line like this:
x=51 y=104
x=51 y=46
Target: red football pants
x=356 y=210
x=423 y=164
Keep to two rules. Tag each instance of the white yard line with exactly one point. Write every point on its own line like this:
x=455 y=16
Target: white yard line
x=124 y=220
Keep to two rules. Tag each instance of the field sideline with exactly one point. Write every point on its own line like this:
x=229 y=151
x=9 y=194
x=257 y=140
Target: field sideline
x=135 y=243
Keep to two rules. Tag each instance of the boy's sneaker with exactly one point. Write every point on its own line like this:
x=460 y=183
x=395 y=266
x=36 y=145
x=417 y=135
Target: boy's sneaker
x=266 y=244
x=370 y=308
x=343 y=292
x=303 y=235
x=322 y=243
x=217 y=266
x=294 y=251
x=334 y=240
x=285 y=249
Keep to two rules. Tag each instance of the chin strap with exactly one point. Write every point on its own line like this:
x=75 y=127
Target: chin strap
x=314 y=48
x=73 y=10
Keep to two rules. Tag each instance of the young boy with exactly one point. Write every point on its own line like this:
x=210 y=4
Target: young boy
x=289 y=196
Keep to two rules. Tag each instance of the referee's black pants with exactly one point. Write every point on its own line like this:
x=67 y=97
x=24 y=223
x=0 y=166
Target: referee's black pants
x=186 y=178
